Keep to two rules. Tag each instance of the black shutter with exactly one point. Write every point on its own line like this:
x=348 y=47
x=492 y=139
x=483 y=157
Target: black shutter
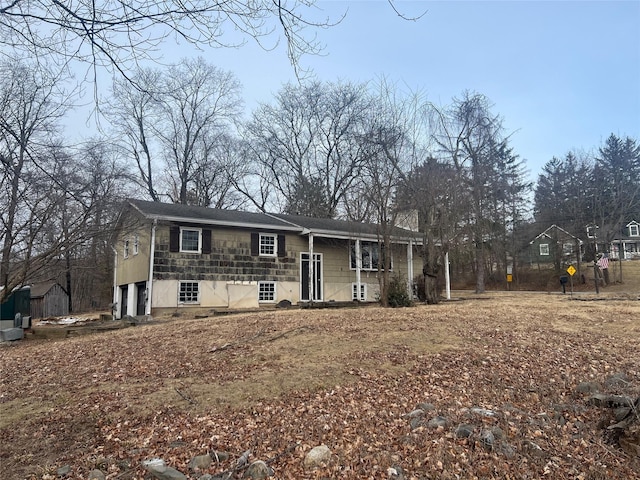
x=174 y=239
x=281 y=246
x=206 y=241
x=255 y=244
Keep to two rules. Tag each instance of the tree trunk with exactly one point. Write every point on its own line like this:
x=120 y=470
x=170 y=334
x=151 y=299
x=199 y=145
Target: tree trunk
x=479 y=266
x=431 y=290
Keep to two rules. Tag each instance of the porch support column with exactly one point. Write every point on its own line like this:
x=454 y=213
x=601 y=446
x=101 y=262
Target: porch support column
x=152 y=252
x=447 y=277
x=311 y=268
x=115 y=308
x=410 y=269
x=358 y=255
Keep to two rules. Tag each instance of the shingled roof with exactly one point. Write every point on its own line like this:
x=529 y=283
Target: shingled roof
x=237 y=218
x=214 y=216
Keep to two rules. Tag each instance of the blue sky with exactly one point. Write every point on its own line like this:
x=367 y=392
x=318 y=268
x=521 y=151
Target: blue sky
x=564 y=75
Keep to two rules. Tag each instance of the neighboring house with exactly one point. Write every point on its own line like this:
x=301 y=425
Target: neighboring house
x=627 y=245
x=49 y=300
x=555 y=246
x=171 y=256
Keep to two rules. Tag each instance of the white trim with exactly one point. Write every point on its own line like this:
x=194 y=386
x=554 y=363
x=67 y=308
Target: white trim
x=369 y=268
x=152 y=253
x=317 y=258
x=338 y=234
x=363 y=292
x=544 y=252
x=274 y=236
x=136 y=244
x=275 y=291
x=191 y=229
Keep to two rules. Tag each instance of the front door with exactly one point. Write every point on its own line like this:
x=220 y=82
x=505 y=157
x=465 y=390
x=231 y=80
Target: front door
x=124 y=299
x=141 y=289
x=317 y=277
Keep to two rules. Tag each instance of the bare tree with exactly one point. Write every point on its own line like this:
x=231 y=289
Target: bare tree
x=133 y=112
x=118 y=35
x=466 y=133
x=198 y=104
x=431 y=189
x=307 y=144
x=179 y=131
x=30 y=104
x=220 y=168
x=390 y=146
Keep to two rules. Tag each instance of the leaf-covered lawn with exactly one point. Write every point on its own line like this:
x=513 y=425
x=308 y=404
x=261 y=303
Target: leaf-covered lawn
x=279 y=383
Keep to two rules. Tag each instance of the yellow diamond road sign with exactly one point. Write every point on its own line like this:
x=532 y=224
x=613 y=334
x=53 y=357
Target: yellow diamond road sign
x=571 y=270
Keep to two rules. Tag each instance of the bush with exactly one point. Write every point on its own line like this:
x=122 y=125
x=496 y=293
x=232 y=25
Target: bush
x=398 y=295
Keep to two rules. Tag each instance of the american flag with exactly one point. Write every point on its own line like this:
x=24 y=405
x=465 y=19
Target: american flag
x=603 y=263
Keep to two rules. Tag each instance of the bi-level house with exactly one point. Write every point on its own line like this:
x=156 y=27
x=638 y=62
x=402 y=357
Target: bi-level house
x=171 y=256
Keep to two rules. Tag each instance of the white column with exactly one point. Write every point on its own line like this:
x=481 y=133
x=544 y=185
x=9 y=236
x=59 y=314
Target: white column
x=410 y=268
x=447 y=277
x=311 y=268
x=152 y=252
x=115 y=310
x=358 y=255
x=131 y=300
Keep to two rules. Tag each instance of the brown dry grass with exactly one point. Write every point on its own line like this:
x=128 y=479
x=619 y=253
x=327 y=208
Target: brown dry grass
x=284 y=381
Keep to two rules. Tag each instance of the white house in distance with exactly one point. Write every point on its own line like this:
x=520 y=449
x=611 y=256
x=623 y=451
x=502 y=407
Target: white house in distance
x=627 y=245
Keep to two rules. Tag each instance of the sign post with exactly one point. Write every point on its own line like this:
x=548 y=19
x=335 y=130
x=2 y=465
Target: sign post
x=571 y=271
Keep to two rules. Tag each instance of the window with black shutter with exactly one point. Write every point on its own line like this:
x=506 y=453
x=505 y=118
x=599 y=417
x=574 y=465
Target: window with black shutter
x=206 y=241
x=255 y=244
x=174 y=239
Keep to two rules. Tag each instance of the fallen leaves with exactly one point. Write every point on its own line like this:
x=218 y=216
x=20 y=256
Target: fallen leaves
x=281 y=388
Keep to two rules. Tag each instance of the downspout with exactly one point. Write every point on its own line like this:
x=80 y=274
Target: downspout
x=152 y=251
x=114 y=308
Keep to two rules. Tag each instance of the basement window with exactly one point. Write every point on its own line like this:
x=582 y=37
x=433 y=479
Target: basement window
x=363 y=292
x=266 y=291
x=189 y=292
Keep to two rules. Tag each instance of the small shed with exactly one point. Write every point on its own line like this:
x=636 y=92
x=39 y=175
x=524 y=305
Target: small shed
x=49 y=299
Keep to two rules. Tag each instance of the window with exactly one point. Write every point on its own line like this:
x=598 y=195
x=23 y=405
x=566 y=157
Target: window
x=634 y=230
x=370 y=254
x=567 y=249
x=266 y=291
x=544 y=249
x=363 y=292
x=136 y=244
x=190 y=240
x=189 y=292
x=126 y=248
x=268 y=245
